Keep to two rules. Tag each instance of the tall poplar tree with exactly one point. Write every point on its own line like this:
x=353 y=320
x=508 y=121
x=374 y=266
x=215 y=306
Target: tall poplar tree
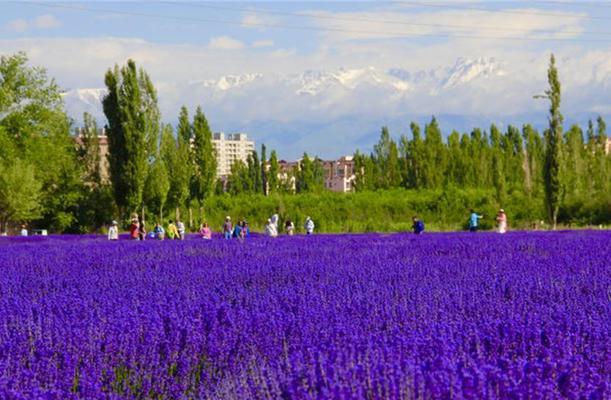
x=553 y=146
x=204 y=170
x=274 y=170
x=133 y=118
x=264 y=183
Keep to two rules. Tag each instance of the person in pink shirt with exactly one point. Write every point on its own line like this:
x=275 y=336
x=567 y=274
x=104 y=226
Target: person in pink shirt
x=205 y=231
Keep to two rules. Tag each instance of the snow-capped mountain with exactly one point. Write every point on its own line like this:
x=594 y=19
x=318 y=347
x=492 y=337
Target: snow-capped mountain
x=314 y=82
x=228 y=82
x=78 y=101
x=467 y=70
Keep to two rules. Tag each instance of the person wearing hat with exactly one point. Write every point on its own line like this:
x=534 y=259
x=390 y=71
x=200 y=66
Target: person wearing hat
x=227 y=228
x=501 y=219
x=113 y=231
x=309 y=226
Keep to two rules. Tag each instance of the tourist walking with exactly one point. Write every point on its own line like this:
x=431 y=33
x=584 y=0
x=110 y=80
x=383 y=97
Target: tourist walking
x=289 y=227
x=309 y=226
x=417 y=225
x=227 y=228
x=180 y=226
x=24 y=231
x=113 y=231
x=501 y=219
x=205 y=231
x=474 y=221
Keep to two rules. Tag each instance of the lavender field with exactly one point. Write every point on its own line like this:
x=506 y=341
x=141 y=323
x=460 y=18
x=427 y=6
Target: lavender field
x=438 y=316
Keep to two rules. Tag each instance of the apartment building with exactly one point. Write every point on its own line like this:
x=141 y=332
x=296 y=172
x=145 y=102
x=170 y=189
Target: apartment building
x=230 y=148
x=339 y=174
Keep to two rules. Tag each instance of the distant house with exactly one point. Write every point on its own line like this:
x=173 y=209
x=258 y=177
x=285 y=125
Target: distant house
x=103 y=148
x=339 y=174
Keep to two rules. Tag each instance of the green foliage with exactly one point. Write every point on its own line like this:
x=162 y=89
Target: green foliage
x=373 y=211
x=274 y=169
x=34 y=128
x=553 y=146
x=20 y=193
x=133 y=118
x=204 y=168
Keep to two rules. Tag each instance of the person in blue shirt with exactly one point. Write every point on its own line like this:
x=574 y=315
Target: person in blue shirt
x=474 y=221
x=237 y=231
x=417 y=225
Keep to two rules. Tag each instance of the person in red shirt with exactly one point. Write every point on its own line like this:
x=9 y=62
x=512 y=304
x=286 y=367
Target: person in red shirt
x=134 y=229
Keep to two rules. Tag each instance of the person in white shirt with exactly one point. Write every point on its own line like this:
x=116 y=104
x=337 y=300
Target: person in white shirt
x=270 y=229
x=24 y=231
x=309 y=226
x=113 y=231
x=181 y=229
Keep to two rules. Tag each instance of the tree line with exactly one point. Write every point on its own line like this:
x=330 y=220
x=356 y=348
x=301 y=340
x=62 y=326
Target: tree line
x=555 y=169
x=50 y=180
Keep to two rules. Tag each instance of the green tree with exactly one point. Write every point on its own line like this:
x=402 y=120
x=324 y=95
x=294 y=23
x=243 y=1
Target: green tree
x=20 y=193
x=435 y=156
x=133 y=118
x=553 y=146
x=204 y=156
x=89 y=150
x=274 y=170
x=35 y=129
x=264 y=183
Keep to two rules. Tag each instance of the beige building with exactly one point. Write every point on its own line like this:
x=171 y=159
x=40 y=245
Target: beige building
x=339 y=174
x=103 y=149
x=230 y=148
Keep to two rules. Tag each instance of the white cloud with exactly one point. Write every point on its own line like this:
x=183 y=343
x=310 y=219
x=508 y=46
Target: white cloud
x=225 y=43
x=388 y=24
x=263 y=43
x=17 y=25
x=252 y=21
x=46 y=21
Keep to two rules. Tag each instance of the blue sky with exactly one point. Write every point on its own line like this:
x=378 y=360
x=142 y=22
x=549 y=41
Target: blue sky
x=323 y=77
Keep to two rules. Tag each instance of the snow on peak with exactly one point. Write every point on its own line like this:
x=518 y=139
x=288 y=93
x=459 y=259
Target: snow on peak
x=228 y=82
x=466 y=70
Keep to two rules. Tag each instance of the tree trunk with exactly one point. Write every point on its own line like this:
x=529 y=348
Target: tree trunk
x=190 y=218
x=177 y=213
x=161 y=214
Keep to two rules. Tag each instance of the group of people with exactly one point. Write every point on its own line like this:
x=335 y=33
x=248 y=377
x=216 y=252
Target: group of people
x=137 y=230
x=241 y=230
x=501 y=221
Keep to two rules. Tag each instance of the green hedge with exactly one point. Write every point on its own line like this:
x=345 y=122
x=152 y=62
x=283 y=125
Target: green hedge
x=384 y=211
